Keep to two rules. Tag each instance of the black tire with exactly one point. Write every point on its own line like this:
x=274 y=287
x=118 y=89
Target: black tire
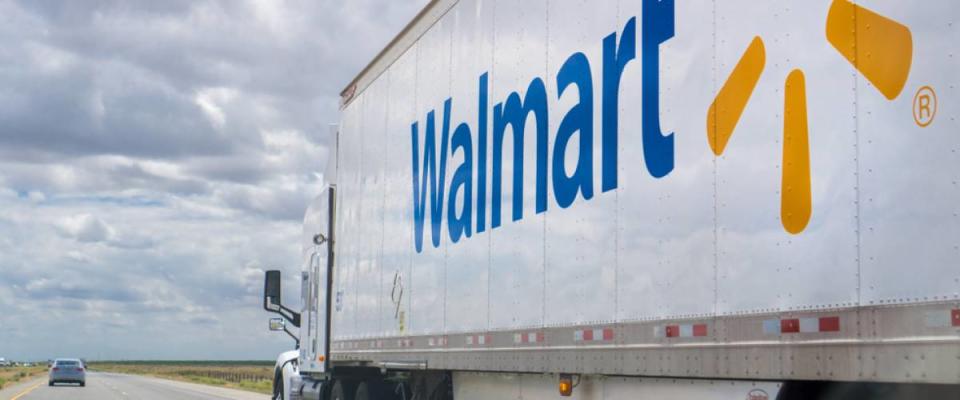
x=83 y=384
x=363 y=392
x=50 y=383
x=342 y=390
x=374 y=390
x=277 y=385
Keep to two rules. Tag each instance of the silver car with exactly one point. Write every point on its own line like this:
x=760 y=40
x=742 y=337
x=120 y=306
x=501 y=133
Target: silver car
x=67 y=370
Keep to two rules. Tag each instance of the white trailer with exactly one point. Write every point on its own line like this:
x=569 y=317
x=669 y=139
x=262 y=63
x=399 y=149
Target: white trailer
x=622 y=199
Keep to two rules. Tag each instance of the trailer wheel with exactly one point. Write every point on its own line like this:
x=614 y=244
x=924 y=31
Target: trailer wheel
x=342 y=390
x=374 y=390
x=363 y=392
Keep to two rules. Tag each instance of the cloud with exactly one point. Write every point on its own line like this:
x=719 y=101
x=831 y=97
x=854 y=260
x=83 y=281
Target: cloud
x=210 y=101
x=86 y=228
x=156 y=157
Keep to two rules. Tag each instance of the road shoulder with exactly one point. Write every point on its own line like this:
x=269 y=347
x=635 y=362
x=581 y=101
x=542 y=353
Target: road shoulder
x=19 y=388
x=197 y=387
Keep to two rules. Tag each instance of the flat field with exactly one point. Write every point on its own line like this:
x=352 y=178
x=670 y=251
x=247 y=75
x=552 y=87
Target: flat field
x=11 y=375
x=254 y=376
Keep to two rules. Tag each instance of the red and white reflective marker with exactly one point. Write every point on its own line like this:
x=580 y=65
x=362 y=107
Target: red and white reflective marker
x=528 y=337
x=801 y=325
x=593 y=335
x=478 y=340
x=943 y=318
x=682 y=330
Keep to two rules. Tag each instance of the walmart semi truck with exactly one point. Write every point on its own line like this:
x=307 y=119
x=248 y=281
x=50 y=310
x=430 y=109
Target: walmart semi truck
x=632 y=199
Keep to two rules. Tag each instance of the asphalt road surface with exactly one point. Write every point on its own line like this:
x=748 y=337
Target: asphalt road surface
x=123 y=387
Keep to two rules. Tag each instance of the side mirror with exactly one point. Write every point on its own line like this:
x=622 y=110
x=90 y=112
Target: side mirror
x=271 y=291
x=271 y=298
x=277 y=324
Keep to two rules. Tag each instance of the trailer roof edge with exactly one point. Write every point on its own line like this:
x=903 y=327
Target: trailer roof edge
x=420 y=24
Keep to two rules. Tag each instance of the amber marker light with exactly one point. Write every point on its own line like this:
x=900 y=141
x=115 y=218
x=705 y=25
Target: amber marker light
x=566 y=385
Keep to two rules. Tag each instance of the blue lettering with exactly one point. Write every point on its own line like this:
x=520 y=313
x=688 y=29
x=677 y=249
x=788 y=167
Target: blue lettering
x=657 y=28
x=615 y=59
x=429 y=171
x=514 y=113
x=462 y=179
x=482 y=156
x=576 y=70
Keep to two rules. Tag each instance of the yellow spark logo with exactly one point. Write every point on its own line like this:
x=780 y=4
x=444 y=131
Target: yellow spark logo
x=879 y=47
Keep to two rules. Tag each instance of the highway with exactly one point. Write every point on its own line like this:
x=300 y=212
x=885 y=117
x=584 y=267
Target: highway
x=103 y=386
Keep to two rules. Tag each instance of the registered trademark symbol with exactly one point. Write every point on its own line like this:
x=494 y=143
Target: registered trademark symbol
x=924 y=106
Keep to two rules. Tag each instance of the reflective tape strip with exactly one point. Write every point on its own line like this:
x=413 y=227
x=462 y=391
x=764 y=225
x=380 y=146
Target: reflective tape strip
x=593 y=335
x=771 y=327
x=478 y=340
x=829 y=324
x=942 y=318
x=700 y=330
x=791 y=325
x=528 y=337
x=683 y=330
x=607 y=334
x=809 y=324
x=801 y=325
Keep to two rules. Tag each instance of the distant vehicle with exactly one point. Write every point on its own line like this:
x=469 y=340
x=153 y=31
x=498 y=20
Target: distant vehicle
x=67 y=370
x=4 y=362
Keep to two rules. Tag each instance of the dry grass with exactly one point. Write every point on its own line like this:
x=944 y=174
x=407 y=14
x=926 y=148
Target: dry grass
x=250 y=376
x=11 y=375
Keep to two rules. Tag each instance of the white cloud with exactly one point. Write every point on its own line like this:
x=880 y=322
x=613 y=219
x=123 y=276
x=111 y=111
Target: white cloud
x=159 y=155
x=78 y=256
x=49 y=59
x=36 y=197
x=86 y=228
x=212 y=100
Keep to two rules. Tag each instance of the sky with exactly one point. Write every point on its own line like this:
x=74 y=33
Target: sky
x=156 y=157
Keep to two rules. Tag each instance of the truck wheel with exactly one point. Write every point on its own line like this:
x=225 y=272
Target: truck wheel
x=277 y=385
x=342 y=390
